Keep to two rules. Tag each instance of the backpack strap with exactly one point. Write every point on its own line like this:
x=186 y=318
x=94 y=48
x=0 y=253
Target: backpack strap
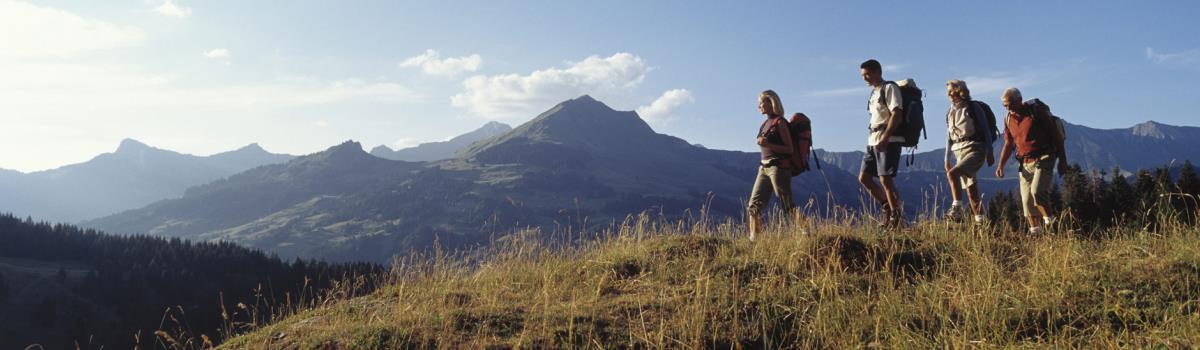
x=882 y=101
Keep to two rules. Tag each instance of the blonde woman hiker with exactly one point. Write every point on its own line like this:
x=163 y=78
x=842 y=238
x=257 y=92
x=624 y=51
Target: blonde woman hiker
x=774 y=176
x=969 y=137
x=1034 y=133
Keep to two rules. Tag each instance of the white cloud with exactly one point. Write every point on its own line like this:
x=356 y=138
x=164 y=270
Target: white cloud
x=662 y=110
x=51 y=87
x=321 y=124
x=73 y=110
x=28 y=30
x=510 y=95
x=431 y=63
x=220 y=54
x=1184 y=58
x=995 y=83
x=405 y=143
x=170 y=8
x=894 y=68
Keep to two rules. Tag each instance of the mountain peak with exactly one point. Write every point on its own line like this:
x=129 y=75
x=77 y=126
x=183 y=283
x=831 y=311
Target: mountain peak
x=131 y=145
x=349 y=153
x=578 y=125
x=1151 y=129
x=350 y=146
x=251 y=148
x=384 y=152
x=495 y=126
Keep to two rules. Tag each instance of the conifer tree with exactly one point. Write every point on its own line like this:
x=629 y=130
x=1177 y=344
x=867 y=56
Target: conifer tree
x=1075 y=197
x=1124 y=201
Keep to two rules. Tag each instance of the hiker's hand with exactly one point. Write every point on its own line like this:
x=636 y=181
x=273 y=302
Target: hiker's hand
x=947 y=166
x=762 y=141
x=999 y=172
x=881 y=146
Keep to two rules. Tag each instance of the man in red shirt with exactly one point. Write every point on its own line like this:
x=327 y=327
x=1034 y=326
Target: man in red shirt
x=1032 y=132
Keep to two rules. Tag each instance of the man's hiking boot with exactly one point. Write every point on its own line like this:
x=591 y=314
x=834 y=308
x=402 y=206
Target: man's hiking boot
x=955 y=214
x=892 y=220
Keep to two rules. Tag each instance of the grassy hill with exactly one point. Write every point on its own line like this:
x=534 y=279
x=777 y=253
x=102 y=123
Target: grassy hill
x=658 y=284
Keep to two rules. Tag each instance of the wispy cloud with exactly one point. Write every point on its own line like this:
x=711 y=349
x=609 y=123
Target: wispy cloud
x=170 y=8
x=405 y=143
x=894 y=68
x=217 y=53
x=662 y=110
x=28 y=30
x=64 y=86
x=510 y=95
x=997 y=82
x=1189 y=57
x=431 y=63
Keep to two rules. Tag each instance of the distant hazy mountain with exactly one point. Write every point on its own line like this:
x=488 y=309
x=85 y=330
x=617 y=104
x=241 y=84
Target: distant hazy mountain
x=444 y=149
x=1146 y=145
x=579 y=164
x=133 y=176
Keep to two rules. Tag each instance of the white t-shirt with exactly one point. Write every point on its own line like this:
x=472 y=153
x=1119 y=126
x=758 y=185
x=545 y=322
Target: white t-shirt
x=960 y=126
x=880 y=113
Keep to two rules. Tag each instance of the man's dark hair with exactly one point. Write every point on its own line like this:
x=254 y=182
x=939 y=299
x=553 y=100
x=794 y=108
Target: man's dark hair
x=872 y=65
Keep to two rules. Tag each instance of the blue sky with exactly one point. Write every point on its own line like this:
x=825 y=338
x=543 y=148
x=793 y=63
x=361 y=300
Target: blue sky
x=296 y=77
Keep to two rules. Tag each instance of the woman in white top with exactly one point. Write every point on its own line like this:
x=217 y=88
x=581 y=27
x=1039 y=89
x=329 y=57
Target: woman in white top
x=968 y=137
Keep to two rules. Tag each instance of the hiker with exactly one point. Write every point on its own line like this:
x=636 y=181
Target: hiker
x=775 y=144
x=1034 y=133
x=882 y=158
x=969 y=137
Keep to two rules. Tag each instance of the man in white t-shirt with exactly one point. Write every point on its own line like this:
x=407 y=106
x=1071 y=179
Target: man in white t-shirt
x=882 y=158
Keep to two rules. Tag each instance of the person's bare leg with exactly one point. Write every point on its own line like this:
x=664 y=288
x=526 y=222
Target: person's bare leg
x=872 y=188
x=952 y=177
x=973 y=197
x=955 y=211
x=1034 y=221
x=1046 y=213
x=755 y=226
x=893 y=199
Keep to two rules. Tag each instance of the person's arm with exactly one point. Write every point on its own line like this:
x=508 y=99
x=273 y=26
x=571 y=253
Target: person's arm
x=948 y=136
x=1005 y=152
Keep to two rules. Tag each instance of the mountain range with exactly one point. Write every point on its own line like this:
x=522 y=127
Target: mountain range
x=580 y=165
x=1146 y=145
x=131 y=177
x=432 y=151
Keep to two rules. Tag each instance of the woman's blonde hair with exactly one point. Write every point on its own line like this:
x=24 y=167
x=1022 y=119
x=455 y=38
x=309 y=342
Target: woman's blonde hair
x=958 y=88
x=775 y=107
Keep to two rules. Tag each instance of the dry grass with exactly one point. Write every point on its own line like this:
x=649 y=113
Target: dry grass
x=654 y=284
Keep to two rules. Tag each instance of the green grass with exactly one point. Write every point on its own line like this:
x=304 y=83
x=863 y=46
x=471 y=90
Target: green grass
x=652 y=284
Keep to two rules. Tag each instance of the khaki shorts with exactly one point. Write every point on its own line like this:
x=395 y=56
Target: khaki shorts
x=968 y=161
x=771 y=179
x=1037 y=179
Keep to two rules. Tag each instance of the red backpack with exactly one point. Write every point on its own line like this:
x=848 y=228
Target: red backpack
x=800 y=128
